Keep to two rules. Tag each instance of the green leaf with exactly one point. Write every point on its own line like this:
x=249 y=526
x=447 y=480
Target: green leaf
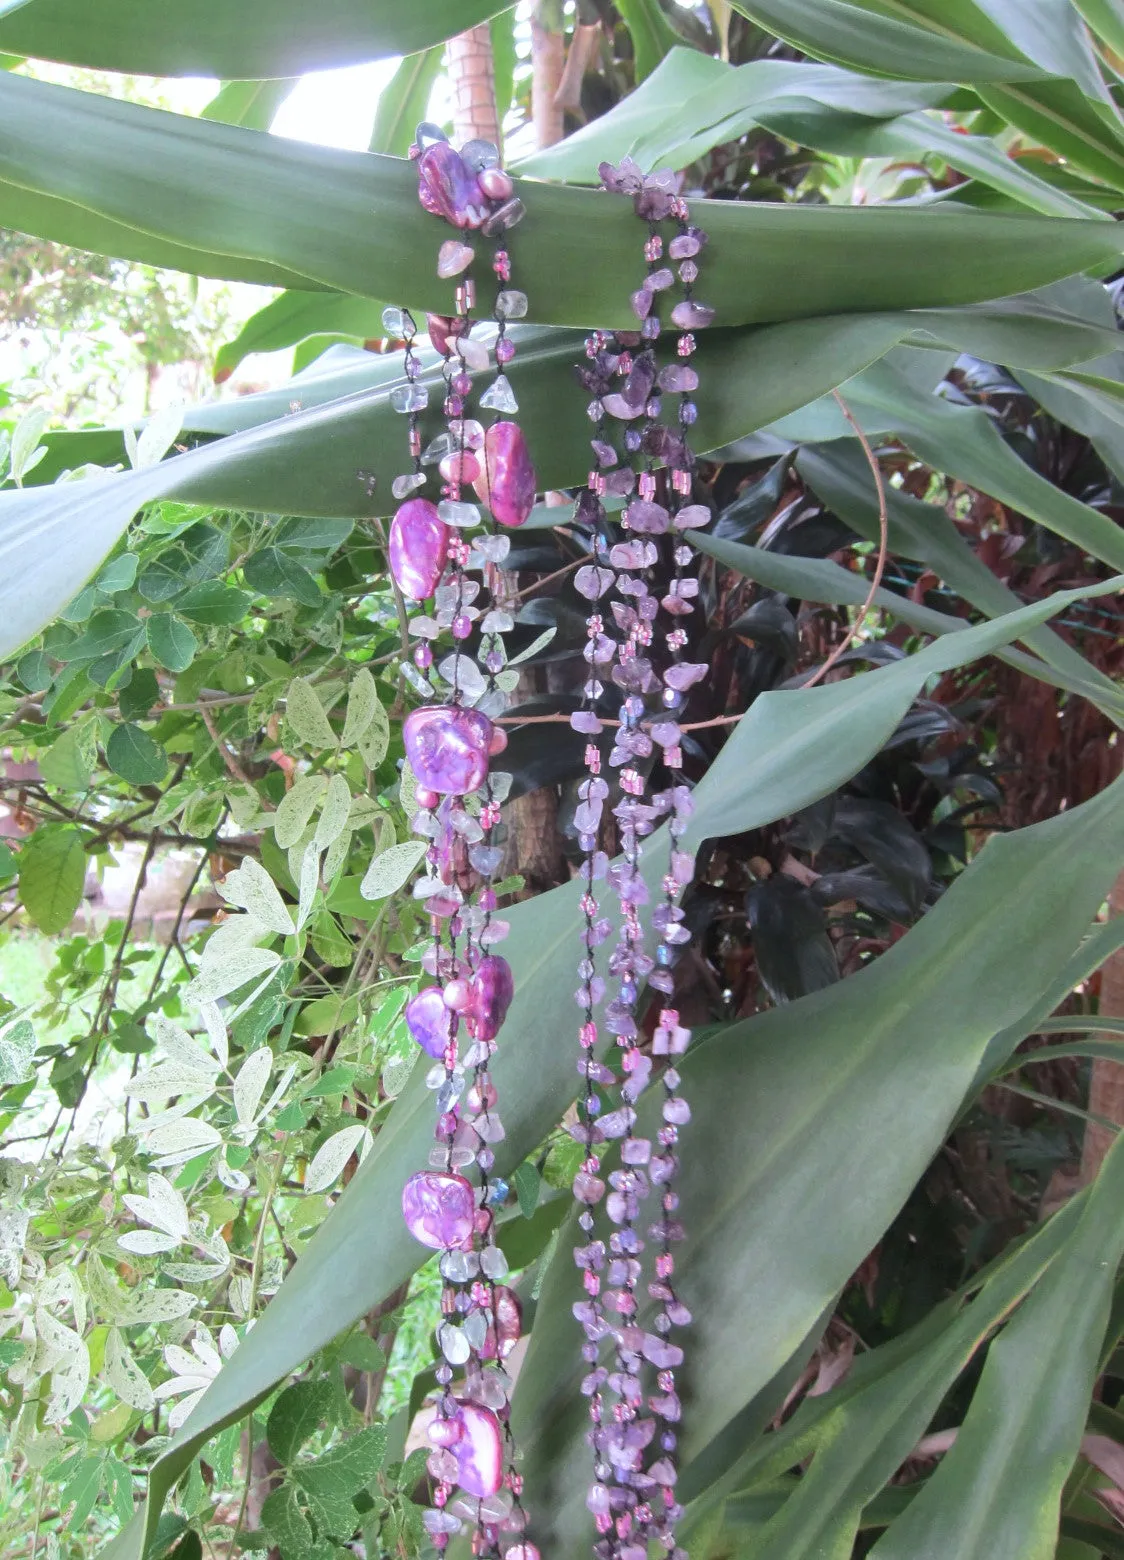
x=296 y=809
x=135 y=755
x=283 y=1518
x=293 y=317
x=652 y=34
x=305 y=717
x=142 y=692
x=119 y=573
x=1023 y=1430
x=272 y=572
x=172 y=643
x=69 y=761
x=296 y=1415
x=404 y=102
x=17 y=1047
x=107 y=630
x=362 y=1352
x=263 y=39
x=333 y=1480
x=220 y=200
x=308 y=460
x=527 y=1183
x=83 y=1488
x=214 y=603
x=52 y=875
x=864 y=40
x=390 y=869
x=894 y=1049
x=252 y=104
x=362 y=702
x=306 y=534
x=34 y=671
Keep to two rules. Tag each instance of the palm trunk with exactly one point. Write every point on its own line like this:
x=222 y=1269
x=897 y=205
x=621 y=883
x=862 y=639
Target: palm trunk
x=548 y=63
x=472 y=75
x=1106 y=1089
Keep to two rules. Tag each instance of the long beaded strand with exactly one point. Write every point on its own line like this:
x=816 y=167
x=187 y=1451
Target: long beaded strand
x=449 y=747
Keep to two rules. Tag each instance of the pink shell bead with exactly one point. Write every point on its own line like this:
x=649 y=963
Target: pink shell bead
x=448 y=746
x=438 y=1209
x=419 y=540
x=479 y=1451
x=493 y=987
x=508 y=482
x=448 y=188
x=505 y=1325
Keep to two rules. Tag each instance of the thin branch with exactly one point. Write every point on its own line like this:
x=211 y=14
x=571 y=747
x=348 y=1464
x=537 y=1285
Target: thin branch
x=233 y=767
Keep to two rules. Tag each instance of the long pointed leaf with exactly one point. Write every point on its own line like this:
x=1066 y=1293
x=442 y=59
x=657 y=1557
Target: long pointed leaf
x=127 y=180
x=248 y=40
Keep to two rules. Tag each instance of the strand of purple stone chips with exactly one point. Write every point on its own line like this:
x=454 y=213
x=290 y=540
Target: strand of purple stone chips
x=632 y=1498
x=449 y=747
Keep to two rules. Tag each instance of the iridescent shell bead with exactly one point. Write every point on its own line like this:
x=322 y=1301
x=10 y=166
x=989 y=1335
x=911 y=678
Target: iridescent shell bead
x=448 y=188
x=448 y=747
x=438 y=1208
x=492 y=988
x=419 y=541
x=478 y=1450
x=508 y=482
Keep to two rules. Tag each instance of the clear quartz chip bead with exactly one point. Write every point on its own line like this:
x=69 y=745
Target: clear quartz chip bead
x=511 y=304
x=461 y=671
x=455 y=513
x=398 y=322
x=493 y=1263
x=493 y=549
x=453 y=1343
x=437 y=449
x=409 y=482
x=476 y=1329
x=409 y=672
x=409 y=398
x=500 y=397
x=497 y=622
x=459 y=1266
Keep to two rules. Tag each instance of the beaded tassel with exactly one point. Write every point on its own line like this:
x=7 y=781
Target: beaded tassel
x=449 y=747
x=632 y=1499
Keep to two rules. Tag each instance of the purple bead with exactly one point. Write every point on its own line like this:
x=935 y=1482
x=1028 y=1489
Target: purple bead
x=492 y=988
x=691 y=516
x=647 y=517
x=479 y=1451
x=429 y=1021
x=682 y=675
x=438 y=1208
x=419 y=540
x=505 y=350
x=641 y=301
x=448 y=748
x=591 y=581
x=448 y=188
x=689 y=315
x=683 y=247
x=679 y=378
x=507 y=482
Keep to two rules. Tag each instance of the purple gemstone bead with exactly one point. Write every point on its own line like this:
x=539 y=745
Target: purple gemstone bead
x=678 y=378
x=591 y=581
x=448 y=748
x=438 y=1209
x=492 y=987
x=689 y=315
x=648 y=517
x=683 y=247
x=448 y=188
x=683 y=675
x=419 y=539
x=479 y=1451
x=429 y=1021
x=507 y=482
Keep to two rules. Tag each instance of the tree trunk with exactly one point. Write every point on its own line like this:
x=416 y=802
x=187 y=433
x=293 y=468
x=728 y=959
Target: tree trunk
x=472 y=75
x=548 y=63
x=1106 y=1089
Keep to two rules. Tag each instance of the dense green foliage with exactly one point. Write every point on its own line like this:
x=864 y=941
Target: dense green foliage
x=208 y=1298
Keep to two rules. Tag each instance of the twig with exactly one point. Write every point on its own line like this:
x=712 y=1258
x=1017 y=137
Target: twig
x=550 y=578
x=233 y=767
x=883 y=546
